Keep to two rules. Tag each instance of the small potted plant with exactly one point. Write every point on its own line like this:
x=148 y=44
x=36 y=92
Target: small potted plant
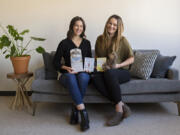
x=12 y=45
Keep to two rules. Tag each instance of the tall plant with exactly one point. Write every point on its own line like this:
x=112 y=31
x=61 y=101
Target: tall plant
x=12 y=45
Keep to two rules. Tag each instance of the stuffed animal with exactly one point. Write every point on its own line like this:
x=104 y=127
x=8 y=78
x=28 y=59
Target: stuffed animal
x=111 y=61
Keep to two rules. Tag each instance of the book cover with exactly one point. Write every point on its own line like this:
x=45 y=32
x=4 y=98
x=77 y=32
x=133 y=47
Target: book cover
x=89 y=64
x=76 y=60
x=100 y=62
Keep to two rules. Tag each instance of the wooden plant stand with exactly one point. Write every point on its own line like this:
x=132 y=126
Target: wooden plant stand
x=21 y=98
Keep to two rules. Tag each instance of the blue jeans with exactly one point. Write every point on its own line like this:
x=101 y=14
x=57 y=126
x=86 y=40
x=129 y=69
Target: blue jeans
x=76 y=84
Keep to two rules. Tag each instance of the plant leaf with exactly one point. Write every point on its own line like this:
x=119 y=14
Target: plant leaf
x=38 y=39
x=1 y=45
x=19 y=38
x=4 y=51
x=7 y=56
x=40 y=49
x=24 y=32
x=4 y=41
x=13 y=32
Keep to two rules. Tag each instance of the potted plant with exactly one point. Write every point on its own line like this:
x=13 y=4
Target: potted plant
x=12 y=45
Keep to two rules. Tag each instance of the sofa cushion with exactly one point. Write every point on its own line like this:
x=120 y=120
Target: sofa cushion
x=152 y=85
x=135 y=86
x=161 y=66
x=143 y=63
x=50 y=72
x=141 y=98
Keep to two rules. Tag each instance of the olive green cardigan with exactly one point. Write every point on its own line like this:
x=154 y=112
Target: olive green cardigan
x=124 y=51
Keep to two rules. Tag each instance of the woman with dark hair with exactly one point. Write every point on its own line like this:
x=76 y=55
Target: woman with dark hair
x=107 y=83
x=75 y=82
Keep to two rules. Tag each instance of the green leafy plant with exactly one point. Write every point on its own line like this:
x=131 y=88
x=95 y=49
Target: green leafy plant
x=11 y=42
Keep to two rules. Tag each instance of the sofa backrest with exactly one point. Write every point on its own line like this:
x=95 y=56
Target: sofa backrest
x=50 y=72
x=145 y=50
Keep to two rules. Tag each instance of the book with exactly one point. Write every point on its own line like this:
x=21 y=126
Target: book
x=100 y=62
x=76 y=60
x=89 y=64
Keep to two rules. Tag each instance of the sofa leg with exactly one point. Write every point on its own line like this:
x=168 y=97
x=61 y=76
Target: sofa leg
x=34 y=108
x=178 y=106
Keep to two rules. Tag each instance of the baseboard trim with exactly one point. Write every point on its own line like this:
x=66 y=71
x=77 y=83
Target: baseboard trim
x=12 y=93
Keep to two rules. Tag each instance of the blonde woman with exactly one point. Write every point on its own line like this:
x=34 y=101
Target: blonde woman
x=108 y=82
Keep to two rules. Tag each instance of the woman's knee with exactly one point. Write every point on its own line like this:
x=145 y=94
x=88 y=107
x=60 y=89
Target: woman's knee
x=97 y=77
x=67 y=77
x=84 y=76
x=110 y=73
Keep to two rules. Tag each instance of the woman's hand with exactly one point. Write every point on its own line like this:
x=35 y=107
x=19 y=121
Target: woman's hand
x=69 y=69
x=87 y=71
x=118 y=66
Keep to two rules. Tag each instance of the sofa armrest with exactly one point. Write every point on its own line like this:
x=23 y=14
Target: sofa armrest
x=40 y=73
x=173 y=74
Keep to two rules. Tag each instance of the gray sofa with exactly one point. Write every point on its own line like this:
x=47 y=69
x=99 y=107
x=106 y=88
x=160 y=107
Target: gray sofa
x=152 y=90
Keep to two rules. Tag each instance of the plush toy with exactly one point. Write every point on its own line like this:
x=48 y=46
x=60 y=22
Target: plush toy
x=111 y=61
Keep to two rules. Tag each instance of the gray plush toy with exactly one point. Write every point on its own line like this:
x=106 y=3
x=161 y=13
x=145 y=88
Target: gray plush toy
x=111 y=61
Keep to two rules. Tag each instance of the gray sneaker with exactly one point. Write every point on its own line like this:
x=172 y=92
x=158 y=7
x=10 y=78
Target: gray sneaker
x=116 y=119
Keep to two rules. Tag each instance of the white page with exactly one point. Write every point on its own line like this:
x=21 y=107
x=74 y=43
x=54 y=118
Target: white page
x=76 y=60
x=89 y=64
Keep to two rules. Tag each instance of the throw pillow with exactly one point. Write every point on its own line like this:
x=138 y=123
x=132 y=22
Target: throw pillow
x=143 y=64
x=50 y=72
x=161 y=66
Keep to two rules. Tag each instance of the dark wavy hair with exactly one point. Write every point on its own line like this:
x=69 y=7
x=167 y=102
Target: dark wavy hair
x=72 y=23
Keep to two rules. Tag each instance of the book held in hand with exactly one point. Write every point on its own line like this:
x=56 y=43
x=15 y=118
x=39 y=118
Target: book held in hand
x=100 y=62
x=76 y=60
x=89 y=64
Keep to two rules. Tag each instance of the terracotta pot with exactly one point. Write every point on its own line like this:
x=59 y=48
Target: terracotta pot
x=20 y=64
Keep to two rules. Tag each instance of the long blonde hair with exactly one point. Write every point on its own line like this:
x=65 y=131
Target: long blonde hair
x=117 y=37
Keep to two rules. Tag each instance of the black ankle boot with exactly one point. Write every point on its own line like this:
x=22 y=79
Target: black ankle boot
x=74 y=118
x=84 y=120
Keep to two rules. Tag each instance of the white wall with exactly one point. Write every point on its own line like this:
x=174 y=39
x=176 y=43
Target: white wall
x=149 y=24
